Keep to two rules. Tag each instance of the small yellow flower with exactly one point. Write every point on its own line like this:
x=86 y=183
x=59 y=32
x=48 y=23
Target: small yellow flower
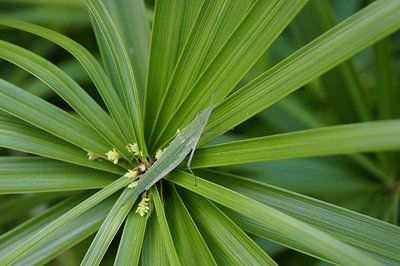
x=92 y=156
x=159 y=153
x=131 y=174
x=133 y=184
x=133 y=148
x=113 y=156
x=143 y=206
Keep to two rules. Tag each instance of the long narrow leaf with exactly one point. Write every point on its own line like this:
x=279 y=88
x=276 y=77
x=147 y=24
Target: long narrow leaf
x=69 y=235
x=131 y=242
x=375 y=236
x=214 y=23
x=361 y=137
x=122 y=66
x=16 y=254
x=335 y=46
x=50 y=118
x=68 y=89
x=261 y=26
x=230 y=245
x=24 y=231
x=165 y=231
x=316 y=240
x=187 y=238
x=134 y=29
x=172 y=22
x=153 y=249
x=18 y=135
x=91 y=66
x=108 y=230
x=33 y=174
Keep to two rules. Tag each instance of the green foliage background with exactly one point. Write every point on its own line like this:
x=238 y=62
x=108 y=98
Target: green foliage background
x=298 y=164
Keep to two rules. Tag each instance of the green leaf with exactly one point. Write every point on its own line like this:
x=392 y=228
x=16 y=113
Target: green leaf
x=69 y=235
x=343 y=86
x=15 y=255
x=108 y=230
x=134 y=28
x=92 y=67
x=59 y=3
x=229 y=244
x=330 y=49
x=153 y=250
x=30 y=174
x=120 y=62
x=11 y=205
x=376 y=237
x=214 y=23
x=132 y=238
x=48 y=15
x=165 y=232
x=386 y=81
x=316 y=240
x=301 y=117
x=50 y=118
x=361 y=137
x=188 y=241
x=13 y=238
x=18 y=135
x=319 y=177
x=257 y=31
x=68 y=89
x=172 y=23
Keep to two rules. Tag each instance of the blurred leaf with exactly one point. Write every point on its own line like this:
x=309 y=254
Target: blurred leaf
x=11 y=206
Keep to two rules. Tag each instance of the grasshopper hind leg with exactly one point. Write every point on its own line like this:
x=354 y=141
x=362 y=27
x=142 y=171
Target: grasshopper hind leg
x=189 y=164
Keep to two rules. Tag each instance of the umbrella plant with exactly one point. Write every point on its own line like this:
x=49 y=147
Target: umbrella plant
x=168 y=162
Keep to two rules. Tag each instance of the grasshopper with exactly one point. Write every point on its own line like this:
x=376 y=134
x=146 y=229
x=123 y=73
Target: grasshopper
x=183 y=144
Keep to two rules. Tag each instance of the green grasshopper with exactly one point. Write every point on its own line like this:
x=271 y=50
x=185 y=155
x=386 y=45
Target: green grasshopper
x=183 y=144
